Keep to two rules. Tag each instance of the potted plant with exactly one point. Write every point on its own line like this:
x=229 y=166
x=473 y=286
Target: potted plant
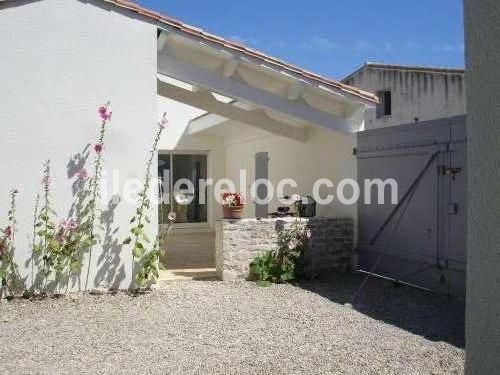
x=232 y=205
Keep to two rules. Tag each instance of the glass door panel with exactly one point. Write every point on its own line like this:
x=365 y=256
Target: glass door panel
x=186 y=200
x=165 y=207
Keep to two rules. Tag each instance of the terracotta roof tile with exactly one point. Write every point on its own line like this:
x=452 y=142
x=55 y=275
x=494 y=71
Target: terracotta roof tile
x=195 y=31
x=258 y=55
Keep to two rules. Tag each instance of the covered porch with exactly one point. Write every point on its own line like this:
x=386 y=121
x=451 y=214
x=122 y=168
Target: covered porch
x=236 y=111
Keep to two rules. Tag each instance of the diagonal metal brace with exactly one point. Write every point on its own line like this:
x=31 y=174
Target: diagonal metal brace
x=405 y=196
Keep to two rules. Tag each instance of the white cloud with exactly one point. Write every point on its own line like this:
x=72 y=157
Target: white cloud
x=319 y=43
x=278 y=44
x=363 y=45
x=410 y=44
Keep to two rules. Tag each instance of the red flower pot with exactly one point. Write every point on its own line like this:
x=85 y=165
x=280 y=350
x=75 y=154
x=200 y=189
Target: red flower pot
x=234 y=212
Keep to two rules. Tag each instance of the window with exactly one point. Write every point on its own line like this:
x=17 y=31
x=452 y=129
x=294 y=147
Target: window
x=173 y=168
x=384 y=108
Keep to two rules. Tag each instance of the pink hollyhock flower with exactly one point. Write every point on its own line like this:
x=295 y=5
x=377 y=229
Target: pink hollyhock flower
x=68 y=225
x=71 y=224
x=62 y=225
x=98 y=148
x=82 y=174
x=9 y=233
x=104 y=113
x=164 y=121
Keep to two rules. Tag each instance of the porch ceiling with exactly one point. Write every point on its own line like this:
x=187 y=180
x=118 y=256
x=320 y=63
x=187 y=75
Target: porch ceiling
x=259 y=95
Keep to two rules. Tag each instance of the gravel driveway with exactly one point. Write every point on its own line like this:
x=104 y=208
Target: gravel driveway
x=197 y=327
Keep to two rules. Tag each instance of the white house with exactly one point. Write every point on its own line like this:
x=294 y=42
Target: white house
x=229 y=107
x=410 y=94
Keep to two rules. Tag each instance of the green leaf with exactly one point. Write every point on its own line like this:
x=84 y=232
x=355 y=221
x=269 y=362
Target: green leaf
x=137 y=252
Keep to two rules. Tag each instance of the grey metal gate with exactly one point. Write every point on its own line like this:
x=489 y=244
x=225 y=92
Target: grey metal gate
x=420 y=240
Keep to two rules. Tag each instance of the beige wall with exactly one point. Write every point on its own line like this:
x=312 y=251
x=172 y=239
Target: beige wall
x=483 y=127
x=327 y=154
x=422 y=95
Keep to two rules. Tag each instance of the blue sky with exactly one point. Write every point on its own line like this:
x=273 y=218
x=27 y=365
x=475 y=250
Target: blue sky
x=333 y=37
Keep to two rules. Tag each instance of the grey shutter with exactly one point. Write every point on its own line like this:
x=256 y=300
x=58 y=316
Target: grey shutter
x=261 y=171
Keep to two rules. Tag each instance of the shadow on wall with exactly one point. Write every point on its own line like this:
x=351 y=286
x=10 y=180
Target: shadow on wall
x=75 y=164
x=435 y=317
x=109 y=273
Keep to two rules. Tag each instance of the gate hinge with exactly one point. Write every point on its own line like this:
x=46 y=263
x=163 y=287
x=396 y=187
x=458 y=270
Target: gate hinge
x=449 y=171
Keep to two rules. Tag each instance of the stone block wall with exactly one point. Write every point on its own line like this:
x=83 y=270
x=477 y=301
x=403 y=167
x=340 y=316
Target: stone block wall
x=238 y=242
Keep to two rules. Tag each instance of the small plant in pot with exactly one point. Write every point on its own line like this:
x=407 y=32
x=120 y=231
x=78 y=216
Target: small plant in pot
x=232 y=205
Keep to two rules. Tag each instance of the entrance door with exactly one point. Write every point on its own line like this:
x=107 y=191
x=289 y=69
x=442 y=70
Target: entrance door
x=191 y=243
x=181 y=175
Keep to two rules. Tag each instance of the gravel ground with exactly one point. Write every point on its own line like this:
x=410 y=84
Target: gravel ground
x=196 y=327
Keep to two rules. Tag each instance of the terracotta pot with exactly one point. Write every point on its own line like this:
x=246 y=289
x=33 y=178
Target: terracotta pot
x=232 y=212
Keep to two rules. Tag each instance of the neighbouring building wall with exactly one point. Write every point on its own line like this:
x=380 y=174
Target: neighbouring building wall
x=326 y=154
x=483 y=128
x=414 y=94
x=60 y=60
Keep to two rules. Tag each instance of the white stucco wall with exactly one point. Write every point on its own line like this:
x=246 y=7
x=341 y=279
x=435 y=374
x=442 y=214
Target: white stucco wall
x=483 y=134
x=415 y=94
x=60 y=60
x=326 y=154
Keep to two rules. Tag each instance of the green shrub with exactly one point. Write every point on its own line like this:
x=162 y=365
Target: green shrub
x=273 y=268
x=282 y=264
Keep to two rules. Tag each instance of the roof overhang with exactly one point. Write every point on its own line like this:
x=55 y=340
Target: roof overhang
x=232 y=48
x=170 y=24
x=276 y=90
x=271 y=92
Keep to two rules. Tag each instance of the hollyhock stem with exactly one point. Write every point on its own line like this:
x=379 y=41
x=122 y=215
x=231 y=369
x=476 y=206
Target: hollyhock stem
x=35 y=219
x=45 y=210
x=10 y=274
x=146 y=259
x=144 y=199
x=95 y=195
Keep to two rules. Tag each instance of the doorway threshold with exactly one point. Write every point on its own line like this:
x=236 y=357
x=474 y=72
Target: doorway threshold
x=187 y=274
